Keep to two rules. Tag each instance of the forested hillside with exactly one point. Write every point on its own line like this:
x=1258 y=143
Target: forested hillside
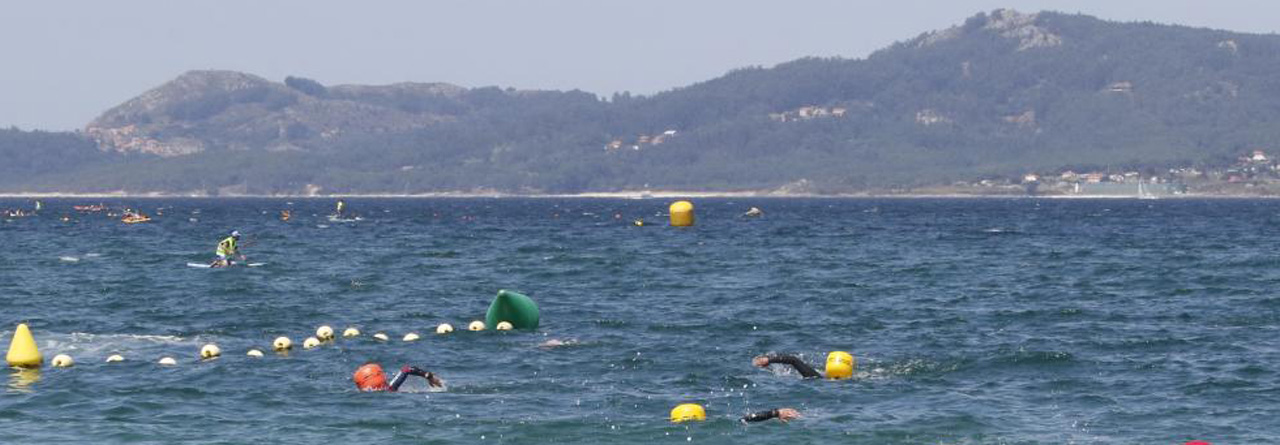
x=1003 y=93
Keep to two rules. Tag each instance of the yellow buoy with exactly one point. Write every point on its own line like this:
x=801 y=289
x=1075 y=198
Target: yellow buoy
x=210 y=351
x=311 y=342
x=682 y=214
x=504 y=326
x=688 y=411
x=351 y=332
x=168 y=361
x=254 y=353
x=62 y=361
x=324 y=333
x=412 y=336
x=380 y=336
x=282 y=344
x=23 y=352
x=840 y=365
x=115 y=358
x=444 y=328
x=476 y=326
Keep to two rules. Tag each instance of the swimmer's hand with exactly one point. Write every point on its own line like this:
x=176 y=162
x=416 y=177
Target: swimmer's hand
x=785 y=414
x=413 y=370
x=761 y=361
x=434 y=381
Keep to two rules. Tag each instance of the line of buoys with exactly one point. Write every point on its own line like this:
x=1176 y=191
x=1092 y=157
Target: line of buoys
x=210 y=351
x=381 y=336
x=167 y=361
x=412 y=336
x=351 y=333
x=115 y=358
x=62 y=361
x=324 y=333
x=282 y=344
x=254 y=353
x=23 y=352
x=476 y=326
x=504 y=326
x=311 y=343
x=444 y=328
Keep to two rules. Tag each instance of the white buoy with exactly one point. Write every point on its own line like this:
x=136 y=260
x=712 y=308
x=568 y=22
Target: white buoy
x=115 y=358
x=476 y=326
x=381 y=336
x=169 y=361
x=444 y=328
x=210 y=351
x=282 y=344
x=411 y=336
x=62 y=361
x=351 y=332
x=311 y=342
x=324 y=333
x=254 y=353
x=504 y=326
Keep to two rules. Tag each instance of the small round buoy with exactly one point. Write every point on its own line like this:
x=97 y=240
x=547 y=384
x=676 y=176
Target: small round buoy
x=840 y=365
x=210 y=351
x=324 y=333
x=504 y=326
x=311 y=342
x=688 y=411
x=411 y=337
x=476 y=326
x=681 y=214
x=381 y=336
x=115 y=358
x=62 y=361
x=351 y=332
x=254 y=353
x=282 y=344
x=638 y=223
x=444 y=328
x=169 y=361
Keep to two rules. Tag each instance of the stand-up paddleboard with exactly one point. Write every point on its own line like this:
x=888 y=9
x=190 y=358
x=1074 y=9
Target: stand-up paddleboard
x=210 y=266
x=512 y=307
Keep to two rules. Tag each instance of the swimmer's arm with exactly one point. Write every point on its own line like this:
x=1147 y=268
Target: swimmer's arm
x=783 y=414
x=407 y=371
x=803 y=368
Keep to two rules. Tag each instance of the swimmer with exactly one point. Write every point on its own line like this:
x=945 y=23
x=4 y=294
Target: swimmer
x=783 y=414
x=803 y=368
x=840 y=364
x=369 y=377
x=557 y=342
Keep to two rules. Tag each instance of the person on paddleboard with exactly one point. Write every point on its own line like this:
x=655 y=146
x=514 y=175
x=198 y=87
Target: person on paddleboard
x=227 y=249
x=370 y=378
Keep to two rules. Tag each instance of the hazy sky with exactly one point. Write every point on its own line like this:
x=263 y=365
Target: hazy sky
x=64 y=62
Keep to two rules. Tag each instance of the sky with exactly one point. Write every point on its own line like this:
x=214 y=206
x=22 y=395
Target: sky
x=64 y=62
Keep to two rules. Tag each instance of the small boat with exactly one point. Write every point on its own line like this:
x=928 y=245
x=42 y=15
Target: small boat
x=134 y=218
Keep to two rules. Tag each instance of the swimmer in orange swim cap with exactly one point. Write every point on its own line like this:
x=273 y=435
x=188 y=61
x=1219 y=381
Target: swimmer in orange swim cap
x=369 y=377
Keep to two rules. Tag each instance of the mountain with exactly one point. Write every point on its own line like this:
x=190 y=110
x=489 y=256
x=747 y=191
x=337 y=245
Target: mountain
x=1002 y=94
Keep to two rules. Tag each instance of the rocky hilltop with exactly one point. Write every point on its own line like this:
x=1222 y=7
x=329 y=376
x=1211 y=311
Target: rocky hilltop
x=1000 y=97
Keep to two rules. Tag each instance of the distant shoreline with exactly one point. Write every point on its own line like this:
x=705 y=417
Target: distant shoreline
x=616 y=195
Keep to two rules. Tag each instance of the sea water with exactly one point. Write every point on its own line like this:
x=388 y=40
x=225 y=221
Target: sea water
x=972 y=320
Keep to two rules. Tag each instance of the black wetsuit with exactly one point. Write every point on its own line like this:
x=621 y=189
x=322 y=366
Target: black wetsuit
x=804 y=369
x=404 y=373
x=760 y=416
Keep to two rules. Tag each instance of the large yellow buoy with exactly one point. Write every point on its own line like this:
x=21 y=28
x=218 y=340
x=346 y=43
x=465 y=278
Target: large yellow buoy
x=840 y=365
x=23 y=352
x=682 y=214
x=688 y=411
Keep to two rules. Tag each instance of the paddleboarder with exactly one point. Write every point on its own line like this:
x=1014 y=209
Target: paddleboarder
x=227 y=248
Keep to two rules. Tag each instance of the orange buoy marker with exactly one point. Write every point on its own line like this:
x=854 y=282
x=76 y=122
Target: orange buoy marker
x=688 y=411
x=681 y=214
x=23 y=352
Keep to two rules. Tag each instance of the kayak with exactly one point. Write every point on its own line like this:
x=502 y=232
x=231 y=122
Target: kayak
x=515 y=308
